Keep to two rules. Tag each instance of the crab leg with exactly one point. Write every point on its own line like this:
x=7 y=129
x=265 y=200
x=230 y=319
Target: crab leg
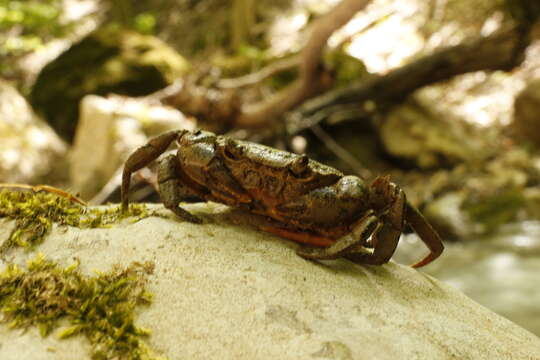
x=385 y=240
x=172 y=191
x=386 y=237
x=299 y=236
x=426 y=233
x=144 y=156
x=347 y=243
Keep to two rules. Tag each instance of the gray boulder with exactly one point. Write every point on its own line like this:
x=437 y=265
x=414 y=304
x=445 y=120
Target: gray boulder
x=225 y=290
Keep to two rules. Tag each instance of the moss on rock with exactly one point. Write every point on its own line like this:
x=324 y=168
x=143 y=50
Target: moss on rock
x=36 y=212
x=101 y=307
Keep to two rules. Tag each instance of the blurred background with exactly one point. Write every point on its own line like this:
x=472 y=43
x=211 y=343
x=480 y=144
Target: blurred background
x=443 y=95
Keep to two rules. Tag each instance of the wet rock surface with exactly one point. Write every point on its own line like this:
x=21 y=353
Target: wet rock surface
x=227 y=290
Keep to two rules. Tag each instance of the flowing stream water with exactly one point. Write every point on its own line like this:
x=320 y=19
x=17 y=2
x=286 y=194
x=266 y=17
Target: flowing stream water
x=500 y=271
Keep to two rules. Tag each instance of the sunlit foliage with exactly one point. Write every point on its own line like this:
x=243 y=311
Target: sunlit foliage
x=26 y=24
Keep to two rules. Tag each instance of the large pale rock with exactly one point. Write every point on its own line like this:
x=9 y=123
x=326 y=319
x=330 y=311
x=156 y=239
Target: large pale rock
x=224 y=290
x=109 y=60
x=109 y=130
x=29 y=148
x=416 y=133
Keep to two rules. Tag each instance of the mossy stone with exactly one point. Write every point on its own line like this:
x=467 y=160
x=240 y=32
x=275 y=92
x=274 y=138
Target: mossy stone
x=109 y=60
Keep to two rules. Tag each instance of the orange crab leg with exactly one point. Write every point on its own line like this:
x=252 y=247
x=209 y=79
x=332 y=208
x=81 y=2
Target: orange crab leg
x=298 y=236
x=47 y=188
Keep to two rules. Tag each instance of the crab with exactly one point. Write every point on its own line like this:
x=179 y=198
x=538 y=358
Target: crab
x=305 y=201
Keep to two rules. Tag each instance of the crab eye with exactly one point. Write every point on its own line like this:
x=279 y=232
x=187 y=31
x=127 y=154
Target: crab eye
x=299 y=167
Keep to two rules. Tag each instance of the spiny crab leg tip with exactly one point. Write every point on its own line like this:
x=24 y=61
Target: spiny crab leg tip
x=425 y=261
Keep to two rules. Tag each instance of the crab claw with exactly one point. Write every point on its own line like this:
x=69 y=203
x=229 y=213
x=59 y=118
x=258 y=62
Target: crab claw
x=427 y=234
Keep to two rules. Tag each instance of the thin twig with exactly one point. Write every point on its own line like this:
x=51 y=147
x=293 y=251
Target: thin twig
x=341 y=152
x=264 y=73
x=46 y=188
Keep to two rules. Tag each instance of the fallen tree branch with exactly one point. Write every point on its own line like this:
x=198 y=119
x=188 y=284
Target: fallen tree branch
x=225 y=110
x=502 y=50
x=287 y=63
x=311 y=80
x=220 y=110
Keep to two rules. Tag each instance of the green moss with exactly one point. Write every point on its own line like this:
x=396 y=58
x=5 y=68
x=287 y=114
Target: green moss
x=101 y=307
x=35 y=212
